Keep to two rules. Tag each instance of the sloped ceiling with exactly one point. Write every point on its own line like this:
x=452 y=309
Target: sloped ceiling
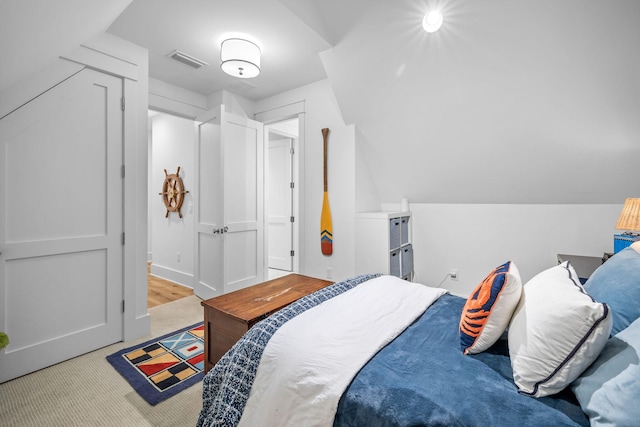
x=33 y=33
x=510 y=102
x=513 y=101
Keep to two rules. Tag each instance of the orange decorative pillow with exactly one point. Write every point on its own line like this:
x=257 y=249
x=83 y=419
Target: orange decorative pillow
x=489 y=308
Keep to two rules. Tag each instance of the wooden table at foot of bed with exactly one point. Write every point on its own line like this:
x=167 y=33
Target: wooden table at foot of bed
x=227 y=317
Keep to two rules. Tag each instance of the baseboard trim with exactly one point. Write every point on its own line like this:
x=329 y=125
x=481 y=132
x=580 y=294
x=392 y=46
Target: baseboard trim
x=178 y=277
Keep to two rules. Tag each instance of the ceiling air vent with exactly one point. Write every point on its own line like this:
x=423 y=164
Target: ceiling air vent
x=187 y=59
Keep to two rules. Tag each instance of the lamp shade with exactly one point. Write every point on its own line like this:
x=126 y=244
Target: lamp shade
x=630 y=216
x=240 y=58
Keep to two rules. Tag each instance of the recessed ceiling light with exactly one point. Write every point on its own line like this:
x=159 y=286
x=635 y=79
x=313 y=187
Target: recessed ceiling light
x=432 y=21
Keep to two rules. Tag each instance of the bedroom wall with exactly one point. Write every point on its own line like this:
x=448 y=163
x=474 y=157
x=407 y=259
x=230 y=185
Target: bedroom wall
x=320 y=111
x=367 y=197
x=475 y=238
x=175 y=100
x=172 y=241
x=233 y=103
x=513 y=130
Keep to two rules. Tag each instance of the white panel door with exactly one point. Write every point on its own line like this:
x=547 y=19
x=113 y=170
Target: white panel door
x=243 y=183
x=208 y=207
x=279 y=203
x=61 y=223
x=230 y=204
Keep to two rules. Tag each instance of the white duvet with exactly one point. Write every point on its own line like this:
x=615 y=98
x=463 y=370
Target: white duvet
x=311 y=359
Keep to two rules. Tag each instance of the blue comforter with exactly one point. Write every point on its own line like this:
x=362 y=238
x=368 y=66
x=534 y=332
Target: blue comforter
x=423 y=379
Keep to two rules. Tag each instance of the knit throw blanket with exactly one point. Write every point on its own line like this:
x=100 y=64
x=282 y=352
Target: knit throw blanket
x=225 y=389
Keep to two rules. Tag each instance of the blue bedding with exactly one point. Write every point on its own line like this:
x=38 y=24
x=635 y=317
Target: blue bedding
x=422 y=378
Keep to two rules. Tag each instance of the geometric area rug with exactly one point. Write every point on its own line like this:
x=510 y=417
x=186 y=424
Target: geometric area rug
x=163 y=367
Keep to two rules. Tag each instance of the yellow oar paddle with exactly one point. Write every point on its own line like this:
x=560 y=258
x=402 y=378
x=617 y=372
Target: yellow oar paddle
x=326 y=228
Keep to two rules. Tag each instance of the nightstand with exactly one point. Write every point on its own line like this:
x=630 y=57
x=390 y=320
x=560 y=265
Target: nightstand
x=583 y=265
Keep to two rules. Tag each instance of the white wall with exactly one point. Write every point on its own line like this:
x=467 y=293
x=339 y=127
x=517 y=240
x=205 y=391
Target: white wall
x=172 y=145
x=367 y=198
x=233 y=103
x=475 y=238
x=175 y=100
x=509 y=102
x=320 y=111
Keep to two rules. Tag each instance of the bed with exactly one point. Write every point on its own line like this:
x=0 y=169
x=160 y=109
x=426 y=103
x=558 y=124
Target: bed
x=355 y=354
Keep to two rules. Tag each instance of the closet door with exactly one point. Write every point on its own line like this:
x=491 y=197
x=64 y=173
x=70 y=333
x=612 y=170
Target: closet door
x=280 y=204
x=229 y=204
x=61 y=223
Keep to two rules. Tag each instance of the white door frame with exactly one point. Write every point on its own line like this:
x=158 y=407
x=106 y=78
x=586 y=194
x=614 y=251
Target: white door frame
x=294 y=209
x=292 y=111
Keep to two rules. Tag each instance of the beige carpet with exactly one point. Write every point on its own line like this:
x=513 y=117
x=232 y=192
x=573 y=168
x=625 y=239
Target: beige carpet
x=88 y=391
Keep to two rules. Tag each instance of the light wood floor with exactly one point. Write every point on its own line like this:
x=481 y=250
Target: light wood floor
x=161 y=291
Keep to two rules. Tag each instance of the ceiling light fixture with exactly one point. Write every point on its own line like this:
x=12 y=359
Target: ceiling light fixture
x=240 y=58
x=432 y=21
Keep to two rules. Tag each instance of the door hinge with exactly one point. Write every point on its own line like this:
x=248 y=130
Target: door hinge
x=291 y=151
x=122 y=103
x=292 y=185
x=123 y=237
x=292 y=253
x=292 y=219
x=122 y=171
x=123 y=306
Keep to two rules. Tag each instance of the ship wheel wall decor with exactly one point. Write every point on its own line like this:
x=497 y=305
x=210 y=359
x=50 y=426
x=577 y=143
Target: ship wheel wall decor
x=173 y=192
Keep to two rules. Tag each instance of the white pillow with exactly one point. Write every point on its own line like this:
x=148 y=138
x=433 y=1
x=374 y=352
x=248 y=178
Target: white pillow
x=556 y=332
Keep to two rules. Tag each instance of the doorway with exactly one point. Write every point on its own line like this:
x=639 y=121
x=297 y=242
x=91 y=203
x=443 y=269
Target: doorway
x=176 y=263
x=170 y=234
x=281 y=196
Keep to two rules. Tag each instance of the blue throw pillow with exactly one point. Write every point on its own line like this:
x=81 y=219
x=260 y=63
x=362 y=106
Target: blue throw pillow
x=617 y=283
x=608 y=390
